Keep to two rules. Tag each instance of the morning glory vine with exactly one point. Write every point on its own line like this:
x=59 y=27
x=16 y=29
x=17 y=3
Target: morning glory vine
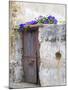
x=40 y=20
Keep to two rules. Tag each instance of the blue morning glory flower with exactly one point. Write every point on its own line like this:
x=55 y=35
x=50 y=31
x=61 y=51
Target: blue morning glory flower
x=52 y=20
x=50 y=17
x=55 y=21
x=53 y=17
x=21 y=27
x=31 y=22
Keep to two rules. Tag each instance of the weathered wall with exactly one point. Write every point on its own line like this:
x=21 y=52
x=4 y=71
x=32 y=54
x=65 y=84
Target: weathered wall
x=21 y=12
x=16 y=53
x=52 y=68
x=15 y=68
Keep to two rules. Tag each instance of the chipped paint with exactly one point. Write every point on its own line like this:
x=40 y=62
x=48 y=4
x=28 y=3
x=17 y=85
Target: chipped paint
x=52 y=56
x=16 y=68
x=52 y=69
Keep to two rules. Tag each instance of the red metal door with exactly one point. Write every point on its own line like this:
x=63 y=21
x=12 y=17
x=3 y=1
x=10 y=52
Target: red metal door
x=30 y=56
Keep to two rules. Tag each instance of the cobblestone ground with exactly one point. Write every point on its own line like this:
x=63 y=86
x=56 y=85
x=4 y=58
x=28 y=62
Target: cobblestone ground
x=22 y=85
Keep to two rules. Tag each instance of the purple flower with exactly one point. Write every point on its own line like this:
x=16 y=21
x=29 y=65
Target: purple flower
x=50 y=17
x=32 y=22
x=21 y=27
x=55 y=21
x=41 y=19
x=53 y=17
x=52 y=20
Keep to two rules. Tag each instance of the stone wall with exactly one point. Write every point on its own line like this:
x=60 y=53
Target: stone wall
x=52 y=66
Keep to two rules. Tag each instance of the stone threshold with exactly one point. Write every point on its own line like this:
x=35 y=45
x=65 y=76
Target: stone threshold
x=22 y=85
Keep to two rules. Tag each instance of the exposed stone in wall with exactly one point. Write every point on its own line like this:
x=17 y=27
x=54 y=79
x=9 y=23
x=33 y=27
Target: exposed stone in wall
x=52 y=43
x=16 y=68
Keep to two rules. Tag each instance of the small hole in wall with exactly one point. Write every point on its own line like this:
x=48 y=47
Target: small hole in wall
x=58 y=55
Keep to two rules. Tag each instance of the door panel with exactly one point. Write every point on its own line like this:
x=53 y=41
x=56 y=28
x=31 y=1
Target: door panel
x=30 y=70
x=30 y=63
x=29 y=47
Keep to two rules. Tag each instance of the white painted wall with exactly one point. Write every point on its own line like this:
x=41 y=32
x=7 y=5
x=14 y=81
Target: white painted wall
x=30 y=11
x=51 y=71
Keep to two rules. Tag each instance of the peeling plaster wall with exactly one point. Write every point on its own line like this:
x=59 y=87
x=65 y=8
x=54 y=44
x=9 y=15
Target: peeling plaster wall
x=52 y=69
x=15 y=45
x=19 y=13
x=16 y=53
x=18 y=56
